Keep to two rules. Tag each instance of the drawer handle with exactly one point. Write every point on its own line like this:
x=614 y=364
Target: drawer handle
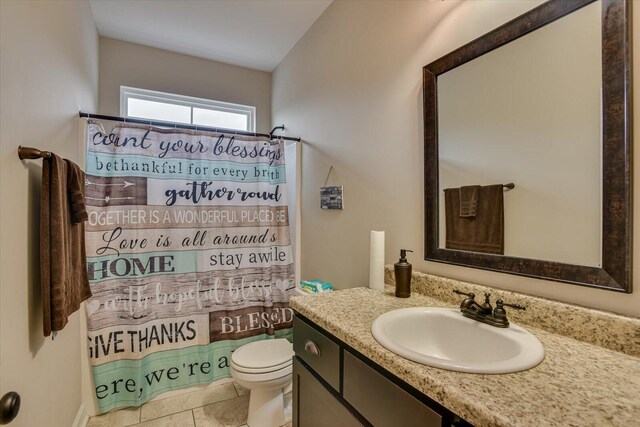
x=311 y=347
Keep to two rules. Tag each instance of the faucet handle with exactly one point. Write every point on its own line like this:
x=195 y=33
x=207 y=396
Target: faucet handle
x=500 y=314
x=500 y=304
x=468 y=301
x=469 y=295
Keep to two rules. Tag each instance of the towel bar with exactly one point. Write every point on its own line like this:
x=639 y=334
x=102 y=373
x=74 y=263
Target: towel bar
x=32 y=153
x=509 y=186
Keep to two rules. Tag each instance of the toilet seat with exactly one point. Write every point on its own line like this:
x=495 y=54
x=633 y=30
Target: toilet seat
x=264 y=370
x=261 y=357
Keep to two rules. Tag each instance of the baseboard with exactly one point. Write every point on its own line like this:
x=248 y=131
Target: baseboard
x=82 y=418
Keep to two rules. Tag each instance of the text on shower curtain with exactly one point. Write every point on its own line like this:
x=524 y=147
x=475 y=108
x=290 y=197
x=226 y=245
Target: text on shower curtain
x=188 y=255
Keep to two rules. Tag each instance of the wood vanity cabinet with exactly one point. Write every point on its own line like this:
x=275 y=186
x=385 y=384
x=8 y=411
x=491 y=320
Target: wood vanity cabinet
x=314 y=405
x=334 y=385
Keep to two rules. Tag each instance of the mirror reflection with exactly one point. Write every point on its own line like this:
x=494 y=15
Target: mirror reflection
x=527 y=113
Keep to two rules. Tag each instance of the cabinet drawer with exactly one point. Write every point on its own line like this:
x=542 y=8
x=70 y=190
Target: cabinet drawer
x=318 y=351
x=380 y=401
x=313 y=405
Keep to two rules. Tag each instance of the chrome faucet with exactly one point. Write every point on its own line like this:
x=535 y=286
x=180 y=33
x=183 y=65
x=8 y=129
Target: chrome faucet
x=485 y=312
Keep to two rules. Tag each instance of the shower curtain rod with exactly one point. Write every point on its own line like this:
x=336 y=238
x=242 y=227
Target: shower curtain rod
x=184 y=126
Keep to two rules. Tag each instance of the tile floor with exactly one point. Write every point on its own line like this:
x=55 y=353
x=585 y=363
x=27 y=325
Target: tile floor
x=224 y=405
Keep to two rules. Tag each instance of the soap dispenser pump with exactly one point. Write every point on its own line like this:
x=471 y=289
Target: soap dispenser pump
x=402 y=271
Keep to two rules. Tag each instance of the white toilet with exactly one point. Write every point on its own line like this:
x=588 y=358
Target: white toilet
x=264 y=367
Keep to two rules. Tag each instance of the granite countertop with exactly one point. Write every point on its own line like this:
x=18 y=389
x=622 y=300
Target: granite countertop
x=577 y=384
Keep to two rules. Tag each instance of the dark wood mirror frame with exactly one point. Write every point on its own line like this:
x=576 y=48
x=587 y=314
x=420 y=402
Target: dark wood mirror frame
x=617 y=212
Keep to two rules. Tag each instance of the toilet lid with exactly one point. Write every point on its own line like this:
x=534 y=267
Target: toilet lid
x=263 y=354
x=285 y=367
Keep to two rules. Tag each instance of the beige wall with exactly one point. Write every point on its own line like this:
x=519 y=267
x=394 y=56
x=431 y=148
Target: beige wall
x=129 y=64
x=48 y=71
x=352 y=88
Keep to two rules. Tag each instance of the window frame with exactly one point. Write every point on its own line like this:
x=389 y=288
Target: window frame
x=127 y=92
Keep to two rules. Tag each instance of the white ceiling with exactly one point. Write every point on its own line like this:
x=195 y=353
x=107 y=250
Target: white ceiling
x=251 y=33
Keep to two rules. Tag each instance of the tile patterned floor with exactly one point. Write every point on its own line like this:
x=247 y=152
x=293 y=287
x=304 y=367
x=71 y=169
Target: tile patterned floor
x=225 y=405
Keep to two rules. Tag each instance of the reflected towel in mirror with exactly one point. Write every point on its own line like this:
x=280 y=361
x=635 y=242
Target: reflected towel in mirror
x=483 y=232
x=469 y=201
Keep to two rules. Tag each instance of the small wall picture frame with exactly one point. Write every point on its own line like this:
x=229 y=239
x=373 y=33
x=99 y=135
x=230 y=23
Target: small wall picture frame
x=332 y=197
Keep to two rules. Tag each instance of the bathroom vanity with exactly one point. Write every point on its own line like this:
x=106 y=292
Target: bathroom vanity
x=342 y=376
x=335 y=385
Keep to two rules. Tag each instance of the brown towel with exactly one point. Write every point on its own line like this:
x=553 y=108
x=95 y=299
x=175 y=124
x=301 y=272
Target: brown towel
x=482 y=233
x=63 y=261
x=469 y=201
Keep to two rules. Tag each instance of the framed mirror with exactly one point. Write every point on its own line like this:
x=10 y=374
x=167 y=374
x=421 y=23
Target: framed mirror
x=542 y=102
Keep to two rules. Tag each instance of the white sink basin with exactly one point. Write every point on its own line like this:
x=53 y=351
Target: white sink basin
x=443 y=338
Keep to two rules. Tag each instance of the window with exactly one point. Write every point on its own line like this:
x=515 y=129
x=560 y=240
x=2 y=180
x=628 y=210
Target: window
x=152 y=105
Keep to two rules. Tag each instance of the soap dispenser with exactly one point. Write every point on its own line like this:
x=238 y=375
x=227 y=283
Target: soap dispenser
x=402 y=271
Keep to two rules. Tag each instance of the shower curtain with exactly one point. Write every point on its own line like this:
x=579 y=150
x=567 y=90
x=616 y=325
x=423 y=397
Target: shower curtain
x=188 y=255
